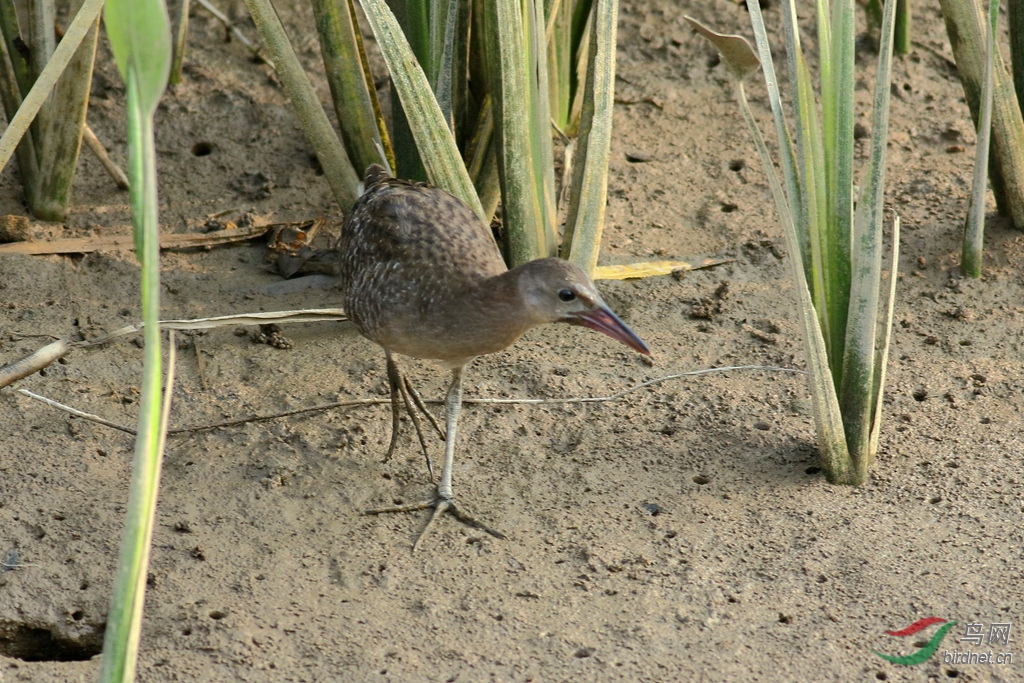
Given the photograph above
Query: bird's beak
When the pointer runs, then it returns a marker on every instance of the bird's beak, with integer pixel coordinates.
(603, 320)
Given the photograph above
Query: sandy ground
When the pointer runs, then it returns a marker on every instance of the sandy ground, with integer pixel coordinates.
(682, 533)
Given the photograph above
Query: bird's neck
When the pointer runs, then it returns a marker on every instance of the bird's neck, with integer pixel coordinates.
(490, 314)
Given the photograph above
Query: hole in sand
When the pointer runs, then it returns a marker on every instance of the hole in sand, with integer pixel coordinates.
(34, 644)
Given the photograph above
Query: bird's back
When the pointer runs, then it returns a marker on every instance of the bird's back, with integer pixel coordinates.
(406, 251)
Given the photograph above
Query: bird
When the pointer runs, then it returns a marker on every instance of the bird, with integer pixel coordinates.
(422, 276)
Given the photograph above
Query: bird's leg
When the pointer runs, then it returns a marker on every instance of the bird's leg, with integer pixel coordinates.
(418, 400)
(452, 408)
(445, 497)
(394, 382)
(445, 500)
(403, 389)
(400, 386)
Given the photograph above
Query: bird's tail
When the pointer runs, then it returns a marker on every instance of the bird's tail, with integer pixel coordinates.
(375, 173)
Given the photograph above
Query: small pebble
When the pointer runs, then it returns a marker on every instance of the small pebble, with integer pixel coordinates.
(651, 508)
(14, 228)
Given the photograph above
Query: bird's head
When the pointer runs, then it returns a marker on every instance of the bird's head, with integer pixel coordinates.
(554, 290)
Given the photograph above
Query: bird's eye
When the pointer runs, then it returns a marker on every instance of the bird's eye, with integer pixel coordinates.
(567, 295)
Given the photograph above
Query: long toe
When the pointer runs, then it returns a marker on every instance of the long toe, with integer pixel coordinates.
(440, 505)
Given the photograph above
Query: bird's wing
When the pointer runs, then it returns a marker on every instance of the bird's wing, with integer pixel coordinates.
(422, 227)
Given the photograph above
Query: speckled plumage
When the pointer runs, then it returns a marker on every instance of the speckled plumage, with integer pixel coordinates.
(423, 277)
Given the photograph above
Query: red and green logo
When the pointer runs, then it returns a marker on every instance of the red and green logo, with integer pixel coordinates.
(929, 648)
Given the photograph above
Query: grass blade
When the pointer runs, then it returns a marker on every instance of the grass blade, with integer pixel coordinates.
(434, 140)
(12, 38)
(582, 59)
(966, 25)
(860, 376)
(140, 38)
(382, 127)
(338, 170)
(180, 43)
(838, 149)
(528, 204)
(41, 36)
(351, 89)
(14, 83)
(541, 130)
(441, 25)
(811, 209)
(585, 219)
(904, 20)
(974, 227)
(482, 151)
(560, 60)
(60, 127)
(823, 17)
(1015, 19)
(828, 419)
(488, 183)
(882, 356)
(764, 54)
(459, 70)
(413, 16)
(740, 61)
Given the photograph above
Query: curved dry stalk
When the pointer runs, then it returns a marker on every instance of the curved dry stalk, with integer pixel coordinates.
(238, 35)
(41, 358)
(100, 152)
(618, 395)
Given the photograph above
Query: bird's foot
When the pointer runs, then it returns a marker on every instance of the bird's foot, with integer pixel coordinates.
(440, 505)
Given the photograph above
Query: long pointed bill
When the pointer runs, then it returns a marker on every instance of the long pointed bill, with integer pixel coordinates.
(603, 320)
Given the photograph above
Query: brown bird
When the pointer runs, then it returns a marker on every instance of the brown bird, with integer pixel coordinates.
(423, 277)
